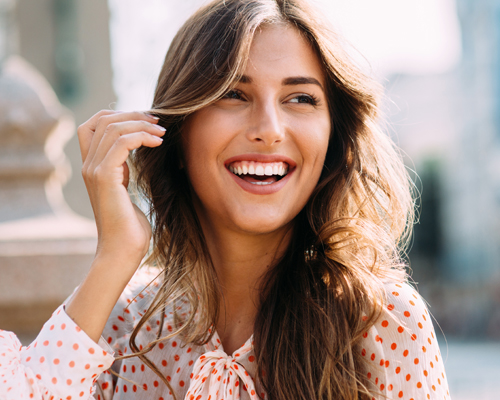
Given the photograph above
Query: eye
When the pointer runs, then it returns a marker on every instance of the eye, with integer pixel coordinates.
(304, 99)
(233, 95)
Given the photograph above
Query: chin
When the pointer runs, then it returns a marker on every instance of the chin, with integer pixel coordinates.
(263, 224)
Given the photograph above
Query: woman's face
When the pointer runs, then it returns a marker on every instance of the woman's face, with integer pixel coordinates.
(255, 156)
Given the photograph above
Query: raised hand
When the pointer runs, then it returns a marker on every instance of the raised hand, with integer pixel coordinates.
(105, 142)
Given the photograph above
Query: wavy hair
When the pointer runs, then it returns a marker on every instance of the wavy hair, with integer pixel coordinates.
(327, 289)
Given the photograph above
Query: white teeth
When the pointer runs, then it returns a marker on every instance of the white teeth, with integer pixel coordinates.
(259, 169)
(261, 183)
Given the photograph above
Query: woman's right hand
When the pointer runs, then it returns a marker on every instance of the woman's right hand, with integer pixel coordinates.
(105, 142)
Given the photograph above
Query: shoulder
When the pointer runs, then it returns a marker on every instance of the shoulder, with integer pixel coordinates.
(401, 349)
(130, 307)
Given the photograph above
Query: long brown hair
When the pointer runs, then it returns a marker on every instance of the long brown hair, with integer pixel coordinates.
(327, 289)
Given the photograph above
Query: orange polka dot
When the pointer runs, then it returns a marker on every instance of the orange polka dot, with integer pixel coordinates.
(395, 293)
(75, 346)
(407, 314)
(155, 383)
(56, 361)
(46, 343)
(424, 349)
(181, 383)
(145, 387)
(63, 326)
(420, 325)
(389, 388)
(400, 329)
(390, 307)
(405, 353)
(416, 361)
(68, 382)
(425, 372)
(42, 359)
(400, 394)
(251, 358)
(59, 343)
(91, 350)
(398, 370)
(413, 337)
(87, 366)
(54, 380)
(394, 346)
(408, 377)
(385, 324)
(419, 385)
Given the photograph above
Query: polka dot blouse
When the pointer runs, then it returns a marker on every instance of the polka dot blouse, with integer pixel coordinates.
(64, 363)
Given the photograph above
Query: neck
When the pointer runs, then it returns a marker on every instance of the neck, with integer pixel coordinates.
(240, 260)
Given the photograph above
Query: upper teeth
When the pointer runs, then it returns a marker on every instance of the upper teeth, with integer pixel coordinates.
(258, 168)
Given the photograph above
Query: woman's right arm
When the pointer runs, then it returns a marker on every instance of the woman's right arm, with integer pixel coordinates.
(123, 230)
(65, 357)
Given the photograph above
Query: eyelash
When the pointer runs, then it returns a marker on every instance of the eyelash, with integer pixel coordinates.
(310, 99)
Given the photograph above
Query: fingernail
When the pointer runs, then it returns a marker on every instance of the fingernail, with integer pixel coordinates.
(153, 116)
(161, 128)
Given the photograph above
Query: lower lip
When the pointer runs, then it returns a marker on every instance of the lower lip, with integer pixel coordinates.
(261, 189)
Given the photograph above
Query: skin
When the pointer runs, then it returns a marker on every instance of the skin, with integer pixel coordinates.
(268, 112)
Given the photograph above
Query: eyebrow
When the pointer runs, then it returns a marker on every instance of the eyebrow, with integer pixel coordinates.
(293, 80)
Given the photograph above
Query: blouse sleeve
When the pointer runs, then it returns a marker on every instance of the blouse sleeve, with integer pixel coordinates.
(402, 350)
(62, 362)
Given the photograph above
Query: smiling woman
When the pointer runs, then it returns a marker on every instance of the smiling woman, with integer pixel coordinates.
(278, 211)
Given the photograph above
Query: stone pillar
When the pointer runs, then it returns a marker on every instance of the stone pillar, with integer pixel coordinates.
(45, 249)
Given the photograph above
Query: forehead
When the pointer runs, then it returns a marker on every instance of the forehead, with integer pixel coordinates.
(281, 50)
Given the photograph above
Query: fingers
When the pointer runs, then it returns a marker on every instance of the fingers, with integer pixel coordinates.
(90, 133)
(116, 130)
(111, 168)
(86, 131)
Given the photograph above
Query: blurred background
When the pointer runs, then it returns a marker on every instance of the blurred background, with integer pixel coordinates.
(439, 60)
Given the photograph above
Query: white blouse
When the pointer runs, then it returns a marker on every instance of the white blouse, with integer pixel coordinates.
(64, 363)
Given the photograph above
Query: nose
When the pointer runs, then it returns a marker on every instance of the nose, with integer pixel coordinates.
(266, 125)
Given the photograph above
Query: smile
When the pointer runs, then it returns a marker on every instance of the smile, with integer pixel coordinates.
(259, 173)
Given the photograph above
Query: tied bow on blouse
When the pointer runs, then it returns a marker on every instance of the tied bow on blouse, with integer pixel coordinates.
(217, 376)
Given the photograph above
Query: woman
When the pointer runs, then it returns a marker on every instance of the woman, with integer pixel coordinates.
(278, 212)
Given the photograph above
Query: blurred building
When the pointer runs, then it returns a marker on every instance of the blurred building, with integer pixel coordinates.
(68, 42)
(449, 126)
(45, 247)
